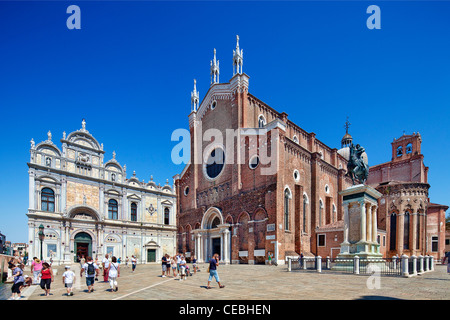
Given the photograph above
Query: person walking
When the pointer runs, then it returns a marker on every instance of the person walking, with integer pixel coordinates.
(133, 263)
(46, 278)
(270, 258)
(68, 278)
(447, 256)
(114, 273)
(126, 261)
(36, 267)
(19, 281)
(105, 264)
(91, 271)
(213, 264)
(82, 261)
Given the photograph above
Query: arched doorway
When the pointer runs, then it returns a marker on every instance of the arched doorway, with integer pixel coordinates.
(82, 245)
(213, 237)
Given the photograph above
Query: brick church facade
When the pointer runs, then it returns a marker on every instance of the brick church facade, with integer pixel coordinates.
(258, 184)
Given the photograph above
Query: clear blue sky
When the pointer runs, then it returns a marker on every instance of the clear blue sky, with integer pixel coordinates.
(129, 72)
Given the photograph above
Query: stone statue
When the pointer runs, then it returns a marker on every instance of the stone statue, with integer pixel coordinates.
(357, 168)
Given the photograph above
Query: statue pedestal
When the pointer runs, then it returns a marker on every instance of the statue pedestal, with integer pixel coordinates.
(360, 204)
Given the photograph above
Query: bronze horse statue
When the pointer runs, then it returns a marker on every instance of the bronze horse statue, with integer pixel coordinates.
(357, 169)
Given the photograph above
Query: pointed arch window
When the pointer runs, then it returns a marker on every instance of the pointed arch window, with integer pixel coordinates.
(133, 209)
(320, 212)
(261, 121)
(305, 203)
(393, 232)
(47, 200)
(418, 232)
(406, 225)
(113, 209)
(287, 195)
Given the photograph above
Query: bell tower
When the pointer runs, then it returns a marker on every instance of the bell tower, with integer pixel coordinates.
(406, 146)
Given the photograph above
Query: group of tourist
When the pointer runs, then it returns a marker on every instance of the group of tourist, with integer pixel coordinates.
(110, 266)
(180, 269)
(178, 265)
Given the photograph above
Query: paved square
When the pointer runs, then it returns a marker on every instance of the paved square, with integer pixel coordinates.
(251, 282)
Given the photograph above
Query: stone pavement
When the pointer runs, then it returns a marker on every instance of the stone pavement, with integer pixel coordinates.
(251, 282)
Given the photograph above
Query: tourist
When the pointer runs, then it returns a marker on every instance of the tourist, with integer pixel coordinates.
(46, 278)
(213, 264)
(126, 261)
(68, 278)
(91, 271)
(194, 264)
(164, 265)
(119, 260)
(82, 261)
(133, 263)
(18, 282)
(270, 258)
(168, 266)
(447, 256)
(178, 257)
(36, 267)
(183, 268)
(114, 273)
(173, 264)
(105, 264)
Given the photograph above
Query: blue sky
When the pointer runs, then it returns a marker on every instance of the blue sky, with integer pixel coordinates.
(129, 72)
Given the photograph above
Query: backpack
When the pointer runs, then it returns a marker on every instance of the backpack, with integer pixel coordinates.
(91, 269)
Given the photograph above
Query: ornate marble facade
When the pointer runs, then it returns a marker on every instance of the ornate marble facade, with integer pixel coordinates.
(88, 206)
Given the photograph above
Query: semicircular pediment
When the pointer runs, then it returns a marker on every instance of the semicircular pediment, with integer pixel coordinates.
(83, 139)
(83, 212)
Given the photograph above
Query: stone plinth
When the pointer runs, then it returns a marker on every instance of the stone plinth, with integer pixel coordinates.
(360, 204)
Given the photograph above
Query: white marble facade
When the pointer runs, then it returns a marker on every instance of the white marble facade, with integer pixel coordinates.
(89, 206)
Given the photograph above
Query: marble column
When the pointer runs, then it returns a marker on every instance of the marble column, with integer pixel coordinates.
(346, 222)
(363, 221)
(369, 223)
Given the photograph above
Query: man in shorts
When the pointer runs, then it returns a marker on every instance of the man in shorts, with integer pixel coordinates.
(91, 271)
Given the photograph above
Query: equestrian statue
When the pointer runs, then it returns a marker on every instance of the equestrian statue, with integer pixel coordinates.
(357, 168)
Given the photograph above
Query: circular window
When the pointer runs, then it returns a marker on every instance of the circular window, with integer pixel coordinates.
(186, 191)
(327, 189)
(215, 163)
(213, 105)
(296, 175)
(254, 162)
